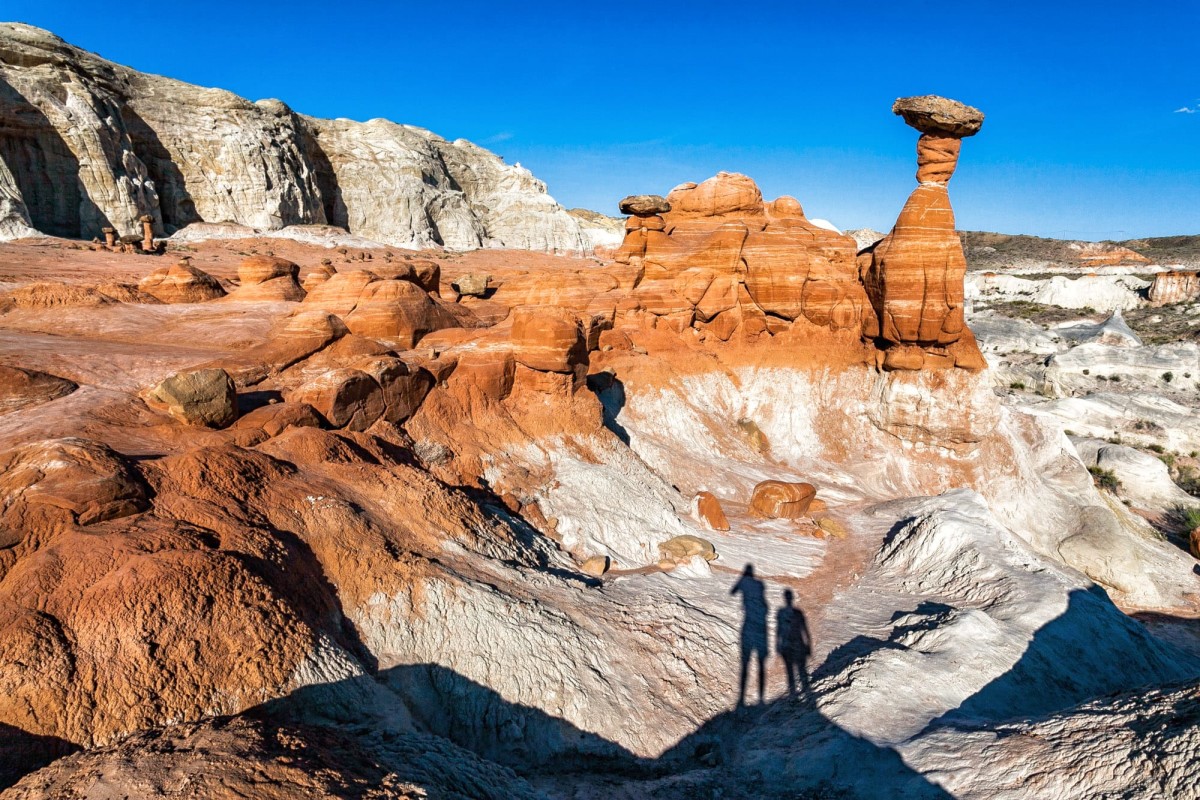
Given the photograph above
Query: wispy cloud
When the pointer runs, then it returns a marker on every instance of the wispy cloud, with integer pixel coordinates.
(496, 138)
(1187, 110)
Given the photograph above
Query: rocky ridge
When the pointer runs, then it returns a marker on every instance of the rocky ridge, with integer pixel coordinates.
(88, 144)
(321, 523)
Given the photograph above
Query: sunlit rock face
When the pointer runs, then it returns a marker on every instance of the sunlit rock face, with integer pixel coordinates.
(499, 524)
(89, 144)
(914, 275)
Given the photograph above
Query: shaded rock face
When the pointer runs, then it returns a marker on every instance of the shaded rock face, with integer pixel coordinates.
(914, 276)
(48, 484)
(88, 144)
(21, 388)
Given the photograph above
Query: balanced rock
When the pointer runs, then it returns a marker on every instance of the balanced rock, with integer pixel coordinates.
(940, 116)
(181, 283)
(204, 397)
(644, 205)
(65, 480)
(706, 508)
(781, 499)
(346, 398)
(914, 276)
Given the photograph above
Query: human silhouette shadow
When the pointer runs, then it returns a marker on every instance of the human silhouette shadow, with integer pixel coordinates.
(754, 631)
(793, 643)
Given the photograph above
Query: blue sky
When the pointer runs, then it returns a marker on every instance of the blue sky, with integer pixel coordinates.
(1083, 138)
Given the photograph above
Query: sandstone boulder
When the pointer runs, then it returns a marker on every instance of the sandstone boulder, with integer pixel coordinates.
(939, 115)
(181, 283)
(706, 508)
(268, 279)
(595, 566)
(339, 294)
(682, 549)
(725, 193)
(474, 284)
(399, 312)
(260, 269)
(644, 205)
(346, 398)
(318, 275)
(1174, 287)
(275, 418)
(204, 397)
(781, 499)
(548, 339)
(22, 388)
(65, 480)
(404, 386)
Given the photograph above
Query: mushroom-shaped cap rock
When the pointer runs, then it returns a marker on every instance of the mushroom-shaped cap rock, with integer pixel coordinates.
(939, 116)
(644, 205)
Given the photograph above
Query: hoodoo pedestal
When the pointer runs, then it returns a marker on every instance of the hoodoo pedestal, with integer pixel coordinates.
(914, 276)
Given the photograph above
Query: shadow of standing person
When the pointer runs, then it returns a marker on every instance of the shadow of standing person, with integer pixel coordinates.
(754, 630)
(793, 643)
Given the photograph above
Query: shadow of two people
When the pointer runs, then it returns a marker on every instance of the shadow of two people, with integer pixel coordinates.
(793, 642)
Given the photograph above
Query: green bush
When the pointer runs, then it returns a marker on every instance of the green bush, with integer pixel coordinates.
(1018, 385)
(1156, 448)
(1186, 518)
(1188, 479)
(1168, 377)
(1105, 479)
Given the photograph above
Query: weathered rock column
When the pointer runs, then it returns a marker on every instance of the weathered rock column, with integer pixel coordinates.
(110, 237)
(914, 276)
(148, 233)
(645, 215)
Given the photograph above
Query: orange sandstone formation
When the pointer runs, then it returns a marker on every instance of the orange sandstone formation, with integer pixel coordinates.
(782, 500)
(914, 276)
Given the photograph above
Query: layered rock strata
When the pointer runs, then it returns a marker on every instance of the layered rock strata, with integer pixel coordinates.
(87, 144)
(914, 276)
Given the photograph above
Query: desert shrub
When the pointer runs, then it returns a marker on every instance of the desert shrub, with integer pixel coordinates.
(1185, 518)
(1116, 378)
(1087, 372)
(1146, 425)
(1105, 479)
(1157, 448)
(1188, 479)
(1168, 376)
(1018, 385)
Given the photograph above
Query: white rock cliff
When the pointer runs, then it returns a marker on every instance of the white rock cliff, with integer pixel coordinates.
(87, 144)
